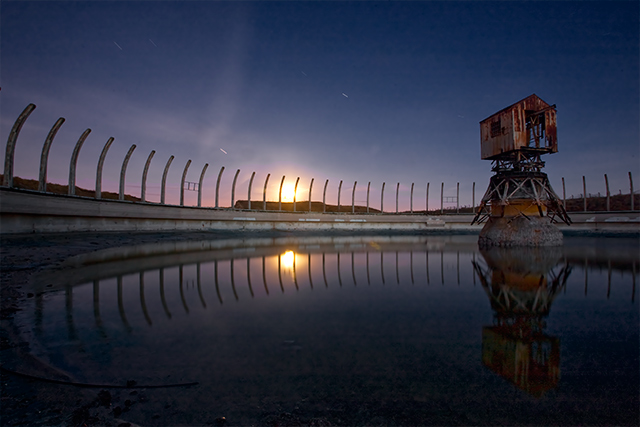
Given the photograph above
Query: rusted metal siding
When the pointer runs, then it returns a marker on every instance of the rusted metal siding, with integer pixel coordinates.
(506, 131)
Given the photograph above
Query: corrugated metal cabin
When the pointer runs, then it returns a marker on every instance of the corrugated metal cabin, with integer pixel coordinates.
(528, 126)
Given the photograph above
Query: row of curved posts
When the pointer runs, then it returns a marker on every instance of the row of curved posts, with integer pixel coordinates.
(585, 196)
(42, 184)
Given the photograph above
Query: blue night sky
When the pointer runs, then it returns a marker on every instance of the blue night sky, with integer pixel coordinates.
(355, 91)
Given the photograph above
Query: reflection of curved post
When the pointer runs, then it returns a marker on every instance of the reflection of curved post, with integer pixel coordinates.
(180, 281)
(123, 170)
(339, 191)
(442, 267)
(458, 266)
(143, 185)
(339, 276)
(215, 275)
(103, 155)
(397, 192)
(295, 194)
(608, 274)
(249, 191)
(264, 194)
(368, 188)
(233, 281)
(353, 269)
(309, 265)
(121, 306)
(427, 255)
(368, 276)
(324, 196)
(324, 272)
(143, 303)
(249, 275)
(204, 304)
(310, 188)
(353, 198)
(411, 266)
(162, 298)
(382, 266)
(73, 335)
(280, 194)
(163, 185)
(397, 270)
(182, 180)
(473, 261)
(280, 272)
(218, 184)
(295, 277)
(264, 274)
(200, 181)
(74, 162)
(411, 204)
(96, 307)
(233, 190)
(382, 199)
(44, 157)
(7, 179)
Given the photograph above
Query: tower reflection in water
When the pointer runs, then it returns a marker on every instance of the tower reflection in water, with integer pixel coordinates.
(522, 284)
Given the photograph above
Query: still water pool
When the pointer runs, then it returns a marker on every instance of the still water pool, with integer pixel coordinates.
(376, 330)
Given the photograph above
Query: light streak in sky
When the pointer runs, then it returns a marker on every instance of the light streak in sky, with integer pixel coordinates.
(345, 95)
(117, 45)
(304, 73)
(223, 151)
(153, 43)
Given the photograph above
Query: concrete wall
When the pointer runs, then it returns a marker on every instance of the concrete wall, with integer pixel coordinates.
(24, 211)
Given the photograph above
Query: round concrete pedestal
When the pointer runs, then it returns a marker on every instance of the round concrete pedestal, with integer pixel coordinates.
(519, 231)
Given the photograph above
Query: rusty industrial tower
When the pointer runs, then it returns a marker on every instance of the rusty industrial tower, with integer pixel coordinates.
(520, 206)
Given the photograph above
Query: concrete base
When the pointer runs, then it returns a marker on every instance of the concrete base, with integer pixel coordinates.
(519, 231)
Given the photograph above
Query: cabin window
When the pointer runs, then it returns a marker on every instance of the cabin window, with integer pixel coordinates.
(496, 128)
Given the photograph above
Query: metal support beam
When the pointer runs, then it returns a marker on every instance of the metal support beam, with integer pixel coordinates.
(353, 197)
(411, 203)
(163, 185)
(280, 194)
(204, 170)
(427, 201)
(233, 190)
(310, 188)
(382, 198)
(143, 185)
(339, 191)
(103, 155)
(44, 157)
(218, 185)
(442, 198)
(324, 196)
(182, 180)
(458, 198)
(368, 189)
(74, 162)
(7, 179)
(631, 190)
(584, 193)
(397, 192)
(295, 193)
(123, 170)
(249, 190)
(564, 195)
(606, 183)
(473, 198)
(264, 193)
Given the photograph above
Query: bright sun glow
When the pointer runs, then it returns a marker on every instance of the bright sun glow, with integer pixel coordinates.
(287, 193)
(287, 260)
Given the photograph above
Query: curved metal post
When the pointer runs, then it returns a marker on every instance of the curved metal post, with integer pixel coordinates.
(218, 184)
(204, 170)
(458, 198)
(143, 185)
(339, 191)
(311, 188)
(44, 157)
(631, 190)
(233, 189)
(163, 186)
(427, 201)
(442, 198)
(411, 203)
(324, 196)
(74, 162)
(606, 183)
(103, 154)
(264, 193)
(368, 188)
(382, 198)
(123, 170)
(584, 193)
(7, 179)
(184, 177)
(295, 193)
(473, 199)
(249, 190)
(353, 198)
(397, 192)
(564, 195)
(280, 194)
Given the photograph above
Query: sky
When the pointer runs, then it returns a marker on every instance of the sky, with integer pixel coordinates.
(373, 92)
